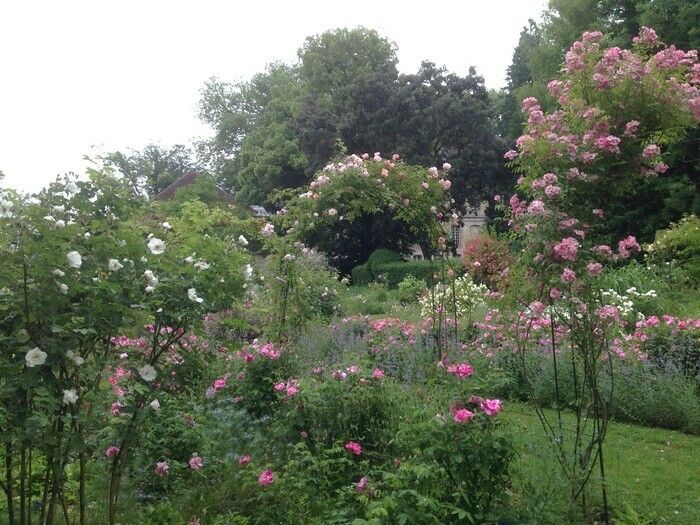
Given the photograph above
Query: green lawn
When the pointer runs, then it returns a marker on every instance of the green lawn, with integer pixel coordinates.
(655, 471)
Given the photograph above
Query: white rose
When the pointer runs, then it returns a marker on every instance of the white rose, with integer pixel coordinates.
(114, 265)
(70, 396)
(58, 273)
(156, 246)
(63, 288)
(147, 372)
(59, 209)
(35, 357)
(192, 294)
(74, 259)
(167, 226)
(155, 405)
(60, 224)
(242, 240)
(75, 357)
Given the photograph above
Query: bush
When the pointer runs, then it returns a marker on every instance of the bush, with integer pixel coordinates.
(380, 257)
(361, 274)
(487, 259)
(393, 273)
(679, 242)
(410, 289)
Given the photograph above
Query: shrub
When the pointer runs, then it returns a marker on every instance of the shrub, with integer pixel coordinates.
(487, 259)
(393, 273)
(679, 242)
(361, 274)
(410, 289)
(380, 257)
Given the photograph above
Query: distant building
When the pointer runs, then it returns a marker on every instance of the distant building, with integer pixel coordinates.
(473, 221)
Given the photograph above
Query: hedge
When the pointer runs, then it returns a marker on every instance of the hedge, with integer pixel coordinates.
(361, 274)
(393, 273)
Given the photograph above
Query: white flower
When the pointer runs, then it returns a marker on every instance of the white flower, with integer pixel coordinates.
(74, 259)
(63, 288)
(267, 230)
(151, 279)
(201, 265)
(144, 260)
(35, 357)
(332, 212)
(87, 234)
(192, 294)
(167, 225)
(6, 209)
(156, 246)
(150, 289)
(60, 224)
(155, 405)
(49, 218)
(289, 257)
(58, 273)
(242, 240)
(75, 357)
(70, 396)
(114, 265)
(59, 209)
(190, 259)
(147, 372)
(248, 272)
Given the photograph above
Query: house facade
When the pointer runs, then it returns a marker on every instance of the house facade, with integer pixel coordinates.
(473, 220)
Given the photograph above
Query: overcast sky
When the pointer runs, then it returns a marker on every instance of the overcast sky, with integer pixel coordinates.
(79, 77)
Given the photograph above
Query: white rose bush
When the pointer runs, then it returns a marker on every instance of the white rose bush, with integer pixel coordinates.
(75, 298)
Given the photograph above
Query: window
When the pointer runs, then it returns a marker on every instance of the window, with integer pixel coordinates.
(455, 236)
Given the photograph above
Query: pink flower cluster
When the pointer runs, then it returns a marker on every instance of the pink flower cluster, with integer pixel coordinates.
(567, 249)
(461, 370)
(353, 447)
(290, 387)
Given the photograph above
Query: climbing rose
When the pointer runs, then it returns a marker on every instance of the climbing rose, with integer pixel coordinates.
(266, 478)
(162, 469)
(354, 447)
(462, 415)
(75, 260)
(70, 396)
(35, 357)
(361, 485)
(491, 407)
(196, 462)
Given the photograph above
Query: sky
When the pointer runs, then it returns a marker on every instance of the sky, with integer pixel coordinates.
(82, 77)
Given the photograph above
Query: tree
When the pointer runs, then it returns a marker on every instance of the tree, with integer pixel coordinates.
(154, 168)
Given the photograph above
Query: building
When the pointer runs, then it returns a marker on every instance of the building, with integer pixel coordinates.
(472, 222)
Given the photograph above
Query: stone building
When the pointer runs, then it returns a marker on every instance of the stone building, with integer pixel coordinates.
(473, 221)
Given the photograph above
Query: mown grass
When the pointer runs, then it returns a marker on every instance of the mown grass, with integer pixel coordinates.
(656, 472)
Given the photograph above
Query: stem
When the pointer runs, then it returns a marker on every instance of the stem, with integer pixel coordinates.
(8, 483)
(81, 488)
(22, 484)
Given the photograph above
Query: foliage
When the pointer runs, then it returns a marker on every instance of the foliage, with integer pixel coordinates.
(361, 274)
(679, 243)
(410, 289)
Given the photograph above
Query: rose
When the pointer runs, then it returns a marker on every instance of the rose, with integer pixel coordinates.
(35, 357)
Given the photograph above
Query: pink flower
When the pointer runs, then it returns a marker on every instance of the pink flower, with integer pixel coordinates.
(491, 407)
(361, 485)
(395, 157)
(385, 172)
(446, 184)
(555, 294)
(111, 452)
(447, 166)
(266, 478)
(652, 150)
(196, 462)
(631, 128)
(244, 460)
(292, 390)
(568, 275)
(220, 383)
(280, 386)
(567, 249)
(354, 447)
(627, 246)
(510, 154)
(604, 250)
(608, 143)
(377, 373)
(598, 213)
(162, 469)
(353, 369)
(661, 168)
(594, 268)
(552, 191)
(646, 36)
(536, 207)
(461, 370)
(462, 415)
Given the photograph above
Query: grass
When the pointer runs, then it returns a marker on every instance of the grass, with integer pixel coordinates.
(654, 471)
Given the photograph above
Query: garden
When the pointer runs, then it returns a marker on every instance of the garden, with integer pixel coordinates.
(183, 361)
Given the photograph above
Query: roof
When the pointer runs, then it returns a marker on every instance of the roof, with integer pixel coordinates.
(187, 179)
